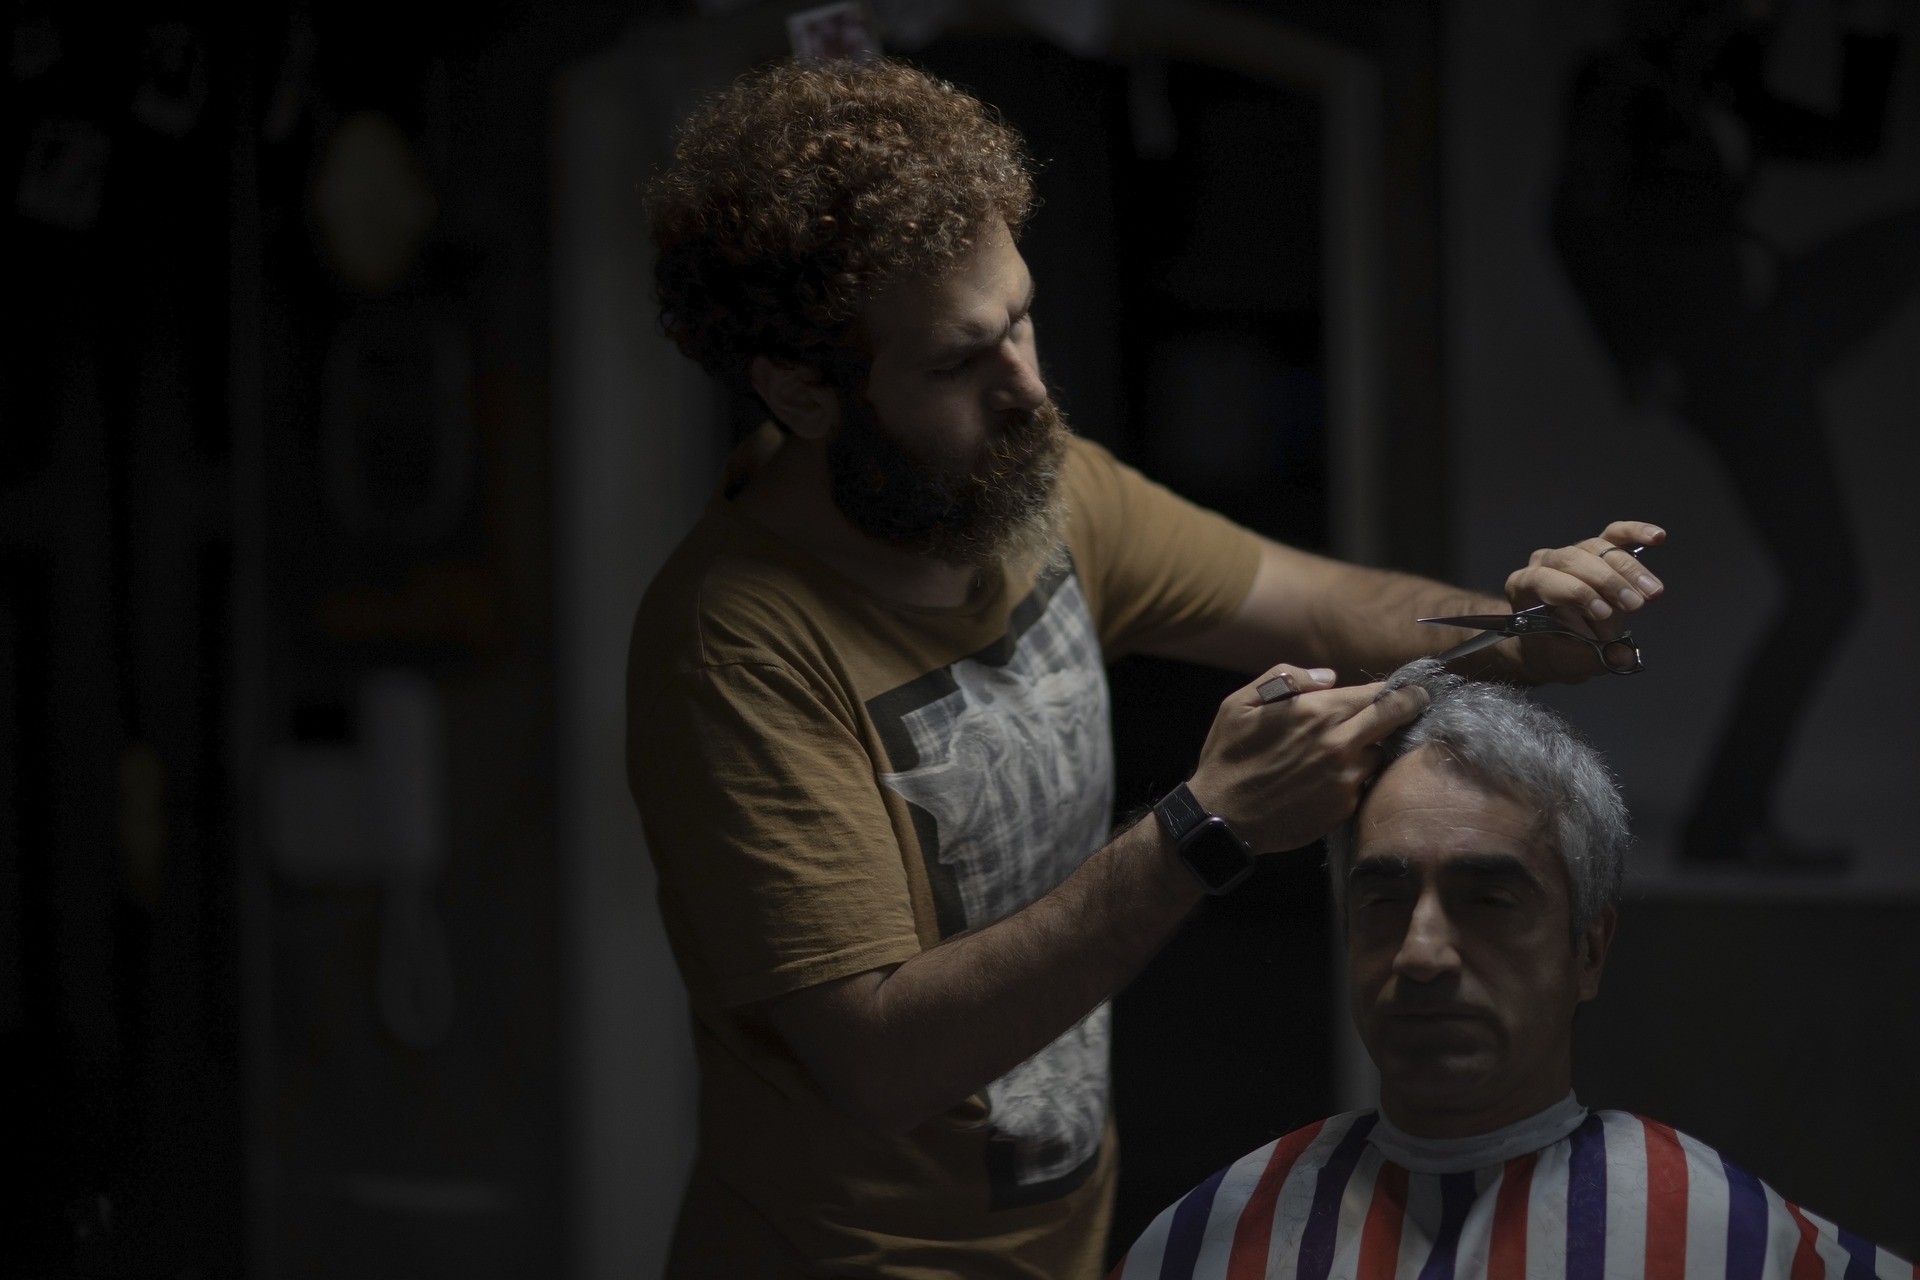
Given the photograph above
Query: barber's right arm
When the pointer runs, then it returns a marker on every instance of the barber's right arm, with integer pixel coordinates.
(897, 1045)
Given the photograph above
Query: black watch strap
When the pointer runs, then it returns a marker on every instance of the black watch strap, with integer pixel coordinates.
(1218, 858)
(1180, 813)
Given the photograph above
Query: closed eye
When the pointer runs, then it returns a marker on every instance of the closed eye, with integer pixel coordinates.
(1381, 894)
(961, 361)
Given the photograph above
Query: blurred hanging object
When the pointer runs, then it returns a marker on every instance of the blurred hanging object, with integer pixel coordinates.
(36, 47)
(174, 88)
(369, 812)
(143, 822)
(1156, 133)
(397, 424)
(403, 750)
(838, 30)
(293, 85)
(371, 202)
(1081, 27)
(65, 171)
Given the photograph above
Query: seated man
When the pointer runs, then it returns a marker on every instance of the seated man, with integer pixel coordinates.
(1479, 878)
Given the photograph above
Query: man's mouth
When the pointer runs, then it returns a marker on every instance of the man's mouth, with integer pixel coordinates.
(1436, 1014)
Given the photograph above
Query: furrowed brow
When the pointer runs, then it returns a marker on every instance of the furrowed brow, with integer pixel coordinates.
(966, 340)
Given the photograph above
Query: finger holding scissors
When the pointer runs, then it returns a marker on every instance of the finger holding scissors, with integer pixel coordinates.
(1591, 587)
(1598, 579)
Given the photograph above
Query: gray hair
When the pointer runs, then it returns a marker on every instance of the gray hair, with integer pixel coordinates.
(1500, 733)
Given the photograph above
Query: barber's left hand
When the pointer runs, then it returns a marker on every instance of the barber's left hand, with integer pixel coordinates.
(1591, 586)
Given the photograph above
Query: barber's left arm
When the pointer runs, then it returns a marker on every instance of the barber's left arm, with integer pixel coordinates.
(1317, 611)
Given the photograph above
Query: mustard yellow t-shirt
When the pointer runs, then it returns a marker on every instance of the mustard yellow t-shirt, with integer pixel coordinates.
(832, 783)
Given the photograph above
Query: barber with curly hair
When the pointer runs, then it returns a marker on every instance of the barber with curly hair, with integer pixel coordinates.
(867, 703)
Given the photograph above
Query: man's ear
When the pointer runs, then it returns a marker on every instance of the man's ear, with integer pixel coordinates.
(804, 402)
(1591, 954)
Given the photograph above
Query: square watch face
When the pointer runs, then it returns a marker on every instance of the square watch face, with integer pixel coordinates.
(1217, 856)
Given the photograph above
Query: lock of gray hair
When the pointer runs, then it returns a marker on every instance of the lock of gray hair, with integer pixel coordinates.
(1502, 735)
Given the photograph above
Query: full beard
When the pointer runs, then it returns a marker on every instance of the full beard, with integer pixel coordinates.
(1006, 509)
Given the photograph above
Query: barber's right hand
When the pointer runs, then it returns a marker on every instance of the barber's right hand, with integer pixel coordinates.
(1286, 773)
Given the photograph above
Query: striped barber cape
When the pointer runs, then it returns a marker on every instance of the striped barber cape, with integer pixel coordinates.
(1615, 1198)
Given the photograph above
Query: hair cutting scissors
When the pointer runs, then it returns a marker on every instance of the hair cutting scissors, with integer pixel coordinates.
(1619, 655)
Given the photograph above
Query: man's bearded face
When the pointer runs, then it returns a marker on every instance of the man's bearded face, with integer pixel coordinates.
(1003, 509)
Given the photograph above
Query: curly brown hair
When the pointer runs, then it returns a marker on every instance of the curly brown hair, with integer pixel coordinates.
(808, 187)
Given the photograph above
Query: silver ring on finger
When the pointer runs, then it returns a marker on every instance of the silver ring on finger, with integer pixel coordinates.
(1277, 688)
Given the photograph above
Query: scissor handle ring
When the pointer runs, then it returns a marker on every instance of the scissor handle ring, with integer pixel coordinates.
(1628, 667)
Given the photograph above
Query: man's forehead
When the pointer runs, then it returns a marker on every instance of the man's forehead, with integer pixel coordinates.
(969, 303)
(1428, 808)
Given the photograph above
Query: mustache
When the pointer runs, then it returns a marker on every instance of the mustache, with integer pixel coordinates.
(1025, 436)
(1443, 997)
(1437, 1004)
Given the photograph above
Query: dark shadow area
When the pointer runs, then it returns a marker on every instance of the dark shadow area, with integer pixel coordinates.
(1801, 1072)
(265, 432)
(119, 999)
(1666, 134)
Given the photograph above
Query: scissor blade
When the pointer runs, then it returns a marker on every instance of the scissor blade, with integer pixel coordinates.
(1484, 640)
(1478, 621)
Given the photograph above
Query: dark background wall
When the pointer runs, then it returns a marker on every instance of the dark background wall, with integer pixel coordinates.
(239, 476)
(1738, 993)
(1784, 1033)
(277, 491)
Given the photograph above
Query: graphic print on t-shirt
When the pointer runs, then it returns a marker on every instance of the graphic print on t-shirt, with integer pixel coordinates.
(1006, 760)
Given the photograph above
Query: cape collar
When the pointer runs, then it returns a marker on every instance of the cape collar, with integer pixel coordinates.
(1457, 1155)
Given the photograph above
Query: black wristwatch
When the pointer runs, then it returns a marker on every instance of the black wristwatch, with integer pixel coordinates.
(1218, 858)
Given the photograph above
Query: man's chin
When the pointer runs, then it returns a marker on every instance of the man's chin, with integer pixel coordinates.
(1438, 1061)
(1033, 541)
(1443, 1098)
(1010, 513)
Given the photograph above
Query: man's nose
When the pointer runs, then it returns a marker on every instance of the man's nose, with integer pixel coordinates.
(1428, 950)
(1019, 385)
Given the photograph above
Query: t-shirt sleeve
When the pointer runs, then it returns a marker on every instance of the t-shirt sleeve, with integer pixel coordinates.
(1155, 566)
(778, 865)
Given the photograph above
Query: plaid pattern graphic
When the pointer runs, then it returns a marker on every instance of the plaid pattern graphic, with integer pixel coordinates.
(1013, 780)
